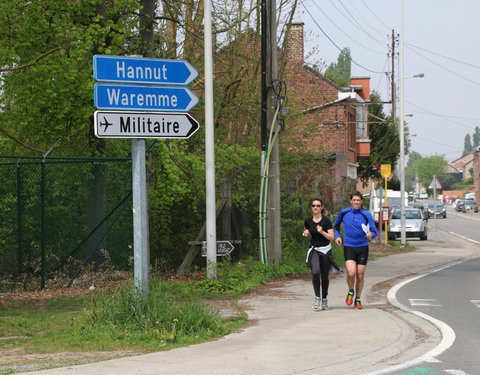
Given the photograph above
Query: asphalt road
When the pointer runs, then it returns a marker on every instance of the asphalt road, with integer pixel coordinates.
(450, 296)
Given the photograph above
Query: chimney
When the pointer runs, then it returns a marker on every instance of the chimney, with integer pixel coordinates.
(295, 43)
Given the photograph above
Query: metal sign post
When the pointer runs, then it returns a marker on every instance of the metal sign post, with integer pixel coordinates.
(133, 84)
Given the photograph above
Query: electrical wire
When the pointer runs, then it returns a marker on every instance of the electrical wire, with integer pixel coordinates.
(335, 44)
(364, 20)
(354, 22)
(440, 116)
(445, 57)
(445, 68)
(378, 19)
(346, 34)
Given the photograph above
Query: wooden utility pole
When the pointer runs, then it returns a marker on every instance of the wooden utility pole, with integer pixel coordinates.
(273, 234)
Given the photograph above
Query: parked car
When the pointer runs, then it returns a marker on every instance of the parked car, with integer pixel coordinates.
(415, 224)
(437, 209)
(422, 196)
(469, 206)
(455, 202)
(459, 205)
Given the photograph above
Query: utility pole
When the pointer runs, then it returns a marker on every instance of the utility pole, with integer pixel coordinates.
(394, 92)
(270, 232)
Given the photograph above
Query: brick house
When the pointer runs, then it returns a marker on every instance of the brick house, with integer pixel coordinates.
(463, 165)
(328, 122)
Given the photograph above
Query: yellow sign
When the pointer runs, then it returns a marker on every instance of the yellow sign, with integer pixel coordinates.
(386, 170)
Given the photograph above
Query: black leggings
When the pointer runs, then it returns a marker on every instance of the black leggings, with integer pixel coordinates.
(320, 268)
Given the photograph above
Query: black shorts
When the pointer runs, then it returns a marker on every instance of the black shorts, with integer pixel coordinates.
(358, 254)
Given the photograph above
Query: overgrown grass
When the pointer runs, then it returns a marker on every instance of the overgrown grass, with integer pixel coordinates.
(170, 314)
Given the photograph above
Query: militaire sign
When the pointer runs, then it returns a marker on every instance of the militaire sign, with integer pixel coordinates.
(130, 69)
(111, 124)
(143, 98)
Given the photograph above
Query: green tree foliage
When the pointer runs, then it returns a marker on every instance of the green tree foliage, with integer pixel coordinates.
(340, 71)
(426, 168)
(46, 53)
(384, 146)
(476, 137)
(467, 145)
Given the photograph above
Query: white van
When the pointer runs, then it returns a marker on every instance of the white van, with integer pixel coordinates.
(470, 196)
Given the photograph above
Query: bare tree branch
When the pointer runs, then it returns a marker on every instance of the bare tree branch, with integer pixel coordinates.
(15, 139)
(36, 60)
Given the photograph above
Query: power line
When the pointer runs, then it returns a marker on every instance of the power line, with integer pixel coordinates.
(356, 23)
(445, 57)
(335, 44)
(346, 34)
(378, 19)
(440, 116)
(443, 67)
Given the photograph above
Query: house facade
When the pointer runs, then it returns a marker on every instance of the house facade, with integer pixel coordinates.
(327, 121)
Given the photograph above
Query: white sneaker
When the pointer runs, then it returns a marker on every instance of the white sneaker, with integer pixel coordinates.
(316, 303)
(324, 304)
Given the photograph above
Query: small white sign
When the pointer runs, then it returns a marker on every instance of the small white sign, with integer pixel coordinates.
(112, 124)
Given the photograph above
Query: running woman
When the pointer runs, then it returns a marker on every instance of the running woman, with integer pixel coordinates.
(319, 255)
(358, 229)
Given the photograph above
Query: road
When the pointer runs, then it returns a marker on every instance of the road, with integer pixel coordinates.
(450, 296)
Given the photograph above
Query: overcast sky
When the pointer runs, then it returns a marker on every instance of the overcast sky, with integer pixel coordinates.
(441, 40)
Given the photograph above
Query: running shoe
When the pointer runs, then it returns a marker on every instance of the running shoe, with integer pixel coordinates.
(316, 303)
(324, 304)
(358, 304)
(349, 299)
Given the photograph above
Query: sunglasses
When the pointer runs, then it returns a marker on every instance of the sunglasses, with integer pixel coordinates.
(316, 205)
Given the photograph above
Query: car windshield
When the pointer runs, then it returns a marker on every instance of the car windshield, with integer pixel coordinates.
(469, 203)
(413, 215)
(439, 205)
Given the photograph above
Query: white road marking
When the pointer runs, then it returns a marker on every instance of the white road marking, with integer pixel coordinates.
(423, 302)
(465, 238)
(476, 302)
(448, 334)
(456, 372)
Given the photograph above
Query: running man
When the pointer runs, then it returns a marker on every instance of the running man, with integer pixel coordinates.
(358, 229)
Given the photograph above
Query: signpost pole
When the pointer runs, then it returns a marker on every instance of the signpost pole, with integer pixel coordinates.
(140, 217)
(209, 146)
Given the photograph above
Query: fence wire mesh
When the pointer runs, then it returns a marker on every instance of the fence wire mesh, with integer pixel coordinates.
(62, 217)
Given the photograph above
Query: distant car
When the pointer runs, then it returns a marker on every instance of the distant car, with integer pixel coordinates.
(469, 206)
(437, 209)
(415, 224)
(459, 205)
(423, 196)
(455, 202)
(422, 208)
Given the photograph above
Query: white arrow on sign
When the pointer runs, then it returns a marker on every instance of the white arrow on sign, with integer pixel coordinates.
(223, 248)
(112, 124)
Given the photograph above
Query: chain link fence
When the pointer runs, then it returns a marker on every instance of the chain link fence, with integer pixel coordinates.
(63, 218)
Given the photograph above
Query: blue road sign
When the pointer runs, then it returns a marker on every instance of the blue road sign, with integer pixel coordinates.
(143, 70)
(144, 98)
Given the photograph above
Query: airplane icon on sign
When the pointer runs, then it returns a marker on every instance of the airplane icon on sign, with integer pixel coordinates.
(106, 123)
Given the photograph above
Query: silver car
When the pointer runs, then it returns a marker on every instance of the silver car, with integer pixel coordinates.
(415, 224)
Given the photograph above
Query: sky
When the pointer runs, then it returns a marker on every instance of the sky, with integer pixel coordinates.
(441, 41)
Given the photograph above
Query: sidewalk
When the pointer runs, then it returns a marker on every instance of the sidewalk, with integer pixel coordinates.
(287, 337)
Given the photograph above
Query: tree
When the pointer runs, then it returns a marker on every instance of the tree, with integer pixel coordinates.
(341, 71)
(476, 138)
(467, 145)
(426, 168)
(385, 144)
